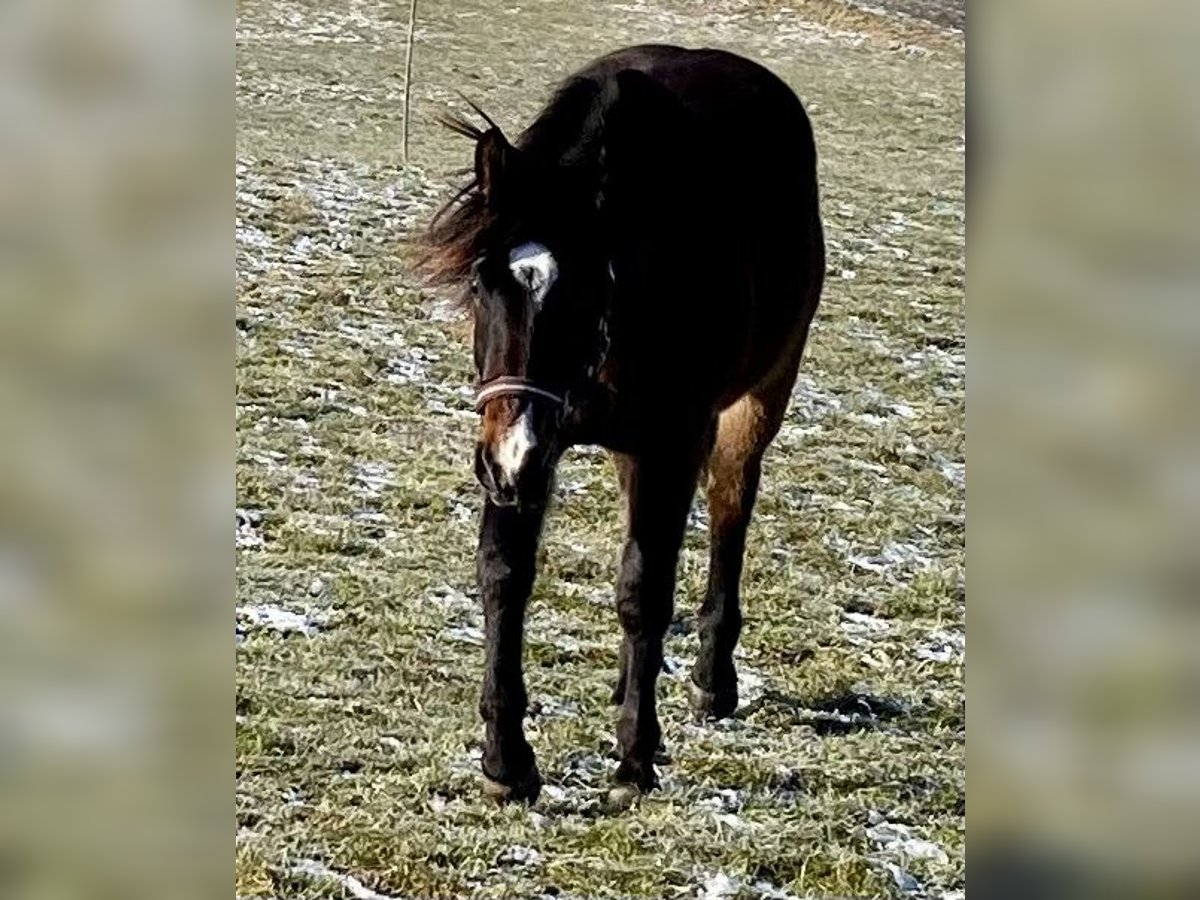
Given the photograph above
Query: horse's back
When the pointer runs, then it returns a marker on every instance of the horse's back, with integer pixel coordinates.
(753, 235)
(736, 100)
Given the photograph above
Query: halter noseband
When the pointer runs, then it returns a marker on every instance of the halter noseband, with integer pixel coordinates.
(512, 385)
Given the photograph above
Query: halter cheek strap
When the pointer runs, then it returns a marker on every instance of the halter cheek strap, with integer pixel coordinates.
(511, 385)
(514, 385)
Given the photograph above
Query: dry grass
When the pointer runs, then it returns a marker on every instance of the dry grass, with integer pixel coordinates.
(357, 733)
(867, 21)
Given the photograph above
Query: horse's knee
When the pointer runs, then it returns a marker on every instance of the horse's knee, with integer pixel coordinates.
(501, 577)
(644, 592)
(642, 617)
(499, 702)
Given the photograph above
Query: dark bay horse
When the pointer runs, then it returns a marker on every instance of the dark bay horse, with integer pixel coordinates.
(642, 265)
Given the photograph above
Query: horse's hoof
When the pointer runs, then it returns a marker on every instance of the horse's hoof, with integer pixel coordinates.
(623, 796)
(525, 790)
(710, 705)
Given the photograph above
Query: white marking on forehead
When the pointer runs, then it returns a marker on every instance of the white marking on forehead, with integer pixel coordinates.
(534, 268)
(513, 449)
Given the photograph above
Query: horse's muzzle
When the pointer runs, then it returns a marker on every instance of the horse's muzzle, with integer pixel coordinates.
(509, 480)
(500, 490)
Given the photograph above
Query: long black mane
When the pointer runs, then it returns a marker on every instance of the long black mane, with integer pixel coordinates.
(566, 136)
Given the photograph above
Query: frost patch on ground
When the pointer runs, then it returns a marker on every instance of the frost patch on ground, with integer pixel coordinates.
(454, 602)
(275, 618)
(751, 684)
(903, 879)
(954, 472)
(551, 708)
(355, 888)
(372, 478)
(519, 855)
(897, 839)
(356, 22)
(587, 770)
(811, 401)
(892, 557)
(897, 848)
(898, 561)
(724, 806)
(247, 536)
(465, 634)
(719, 885)
(863, 625)
(944, 646)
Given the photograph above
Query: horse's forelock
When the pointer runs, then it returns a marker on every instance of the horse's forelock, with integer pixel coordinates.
(567, 136)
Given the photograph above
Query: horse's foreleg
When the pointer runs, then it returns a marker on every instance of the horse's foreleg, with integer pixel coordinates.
(624, 465)
(659, 493)
(505, 565)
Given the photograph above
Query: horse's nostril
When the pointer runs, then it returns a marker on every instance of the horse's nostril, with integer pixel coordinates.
(485, 474)
(504, 496)
(499, 487)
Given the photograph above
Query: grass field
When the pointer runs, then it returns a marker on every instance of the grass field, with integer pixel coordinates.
(359, 646)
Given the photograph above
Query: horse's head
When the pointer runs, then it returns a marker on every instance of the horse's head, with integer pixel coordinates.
(539, 290)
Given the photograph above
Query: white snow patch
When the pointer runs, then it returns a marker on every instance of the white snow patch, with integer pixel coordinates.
(904, 879)
(372, 478)
(247, 536)
(353, 886)
(891, 557)
(898, 839)
(550, 708)
(453, 601)
(954, 472)
(864, 624)
(943, 646)
(467, 634)
(519, 855)
(750, 684)
(718, 885)
(274, 618)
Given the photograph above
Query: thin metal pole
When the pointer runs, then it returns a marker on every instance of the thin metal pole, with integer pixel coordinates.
(408, 62)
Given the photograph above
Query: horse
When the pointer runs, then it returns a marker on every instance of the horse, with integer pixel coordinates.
(642, 266)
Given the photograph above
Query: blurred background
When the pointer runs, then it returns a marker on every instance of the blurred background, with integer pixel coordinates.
(116, 481)
(1084, 495)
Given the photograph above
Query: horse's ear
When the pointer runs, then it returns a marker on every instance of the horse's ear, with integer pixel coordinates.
(493, 163)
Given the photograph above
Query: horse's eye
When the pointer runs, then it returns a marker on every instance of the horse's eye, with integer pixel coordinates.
(474, 285)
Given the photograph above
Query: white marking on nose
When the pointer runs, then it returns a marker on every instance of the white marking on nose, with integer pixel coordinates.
(513, 449)
(535, 269)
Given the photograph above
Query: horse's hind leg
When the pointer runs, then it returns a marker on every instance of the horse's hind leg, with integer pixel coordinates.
(743, 432)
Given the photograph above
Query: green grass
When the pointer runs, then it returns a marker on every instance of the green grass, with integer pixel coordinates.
(356, 745)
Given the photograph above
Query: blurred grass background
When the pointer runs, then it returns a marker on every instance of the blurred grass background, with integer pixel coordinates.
(1083, 441)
